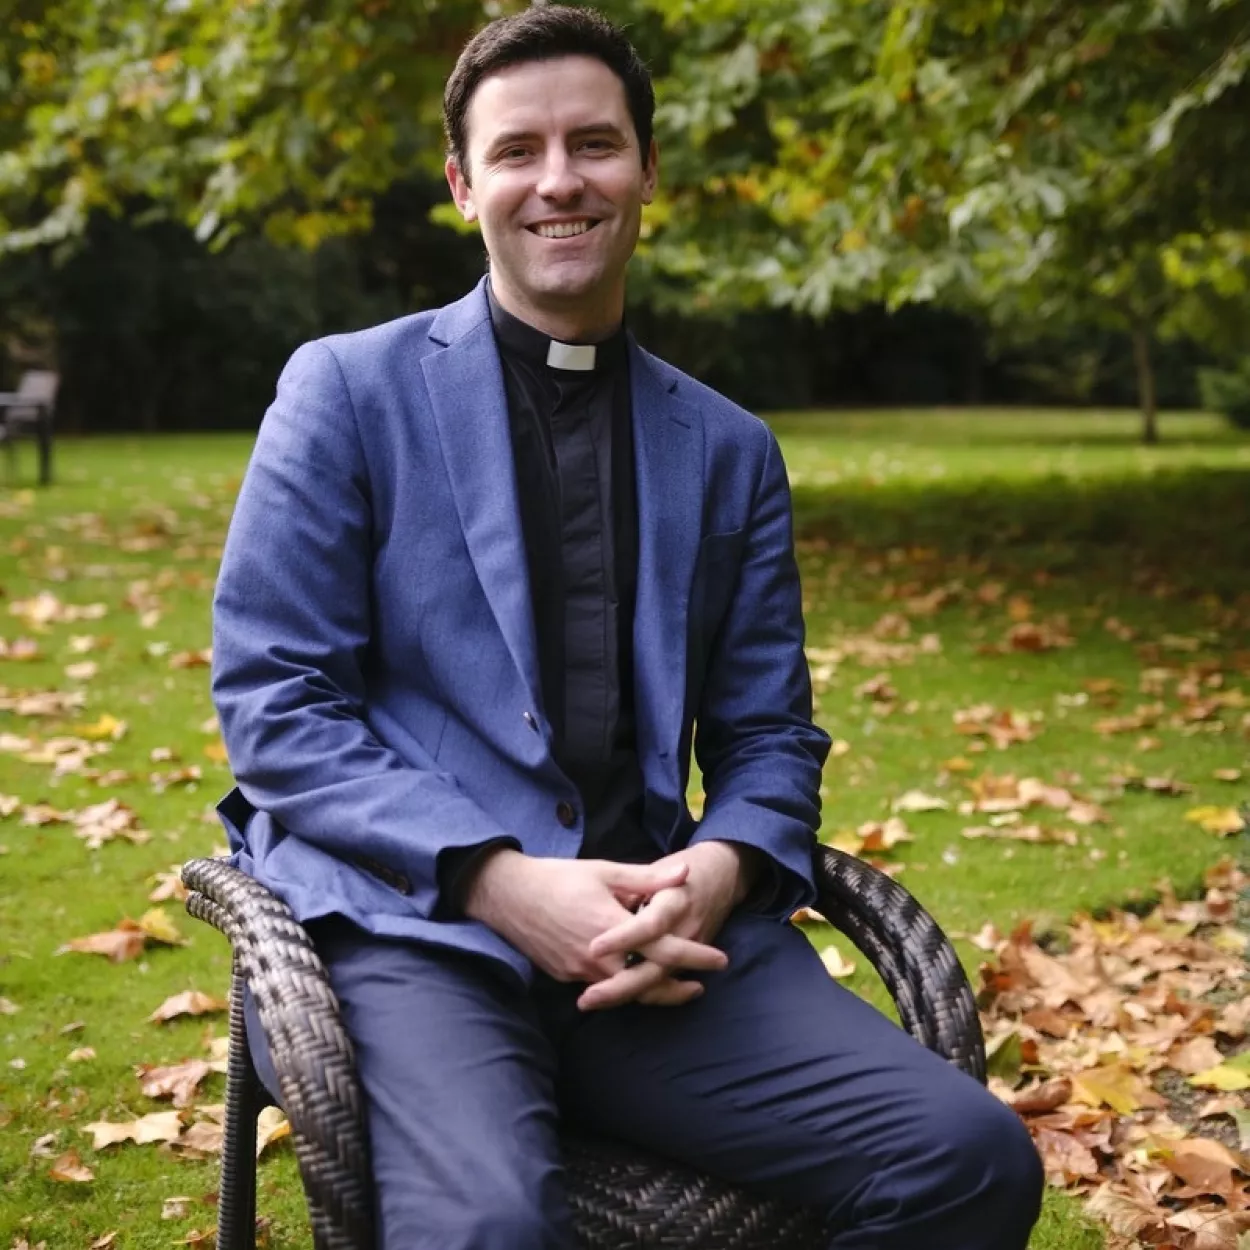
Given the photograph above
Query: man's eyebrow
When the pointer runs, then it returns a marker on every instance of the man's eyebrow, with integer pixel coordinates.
(509, 137)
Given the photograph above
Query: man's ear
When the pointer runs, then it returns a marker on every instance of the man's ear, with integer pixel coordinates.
(461, 191)
(651, 173)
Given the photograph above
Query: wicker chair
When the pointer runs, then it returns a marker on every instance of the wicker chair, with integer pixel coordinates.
(622, 1199)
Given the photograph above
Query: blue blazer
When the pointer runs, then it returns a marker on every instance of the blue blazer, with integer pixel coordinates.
(374, 661)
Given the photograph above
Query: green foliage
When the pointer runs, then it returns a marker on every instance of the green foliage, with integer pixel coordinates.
(1227, 392)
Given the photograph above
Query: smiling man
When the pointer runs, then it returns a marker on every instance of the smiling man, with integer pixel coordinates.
(494, 573)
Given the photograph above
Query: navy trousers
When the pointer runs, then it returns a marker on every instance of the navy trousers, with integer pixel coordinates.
(776, 1078)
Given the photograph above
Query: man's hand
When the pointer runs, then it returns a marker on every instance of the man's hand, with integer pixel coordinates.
(719, 876)
(553, 910)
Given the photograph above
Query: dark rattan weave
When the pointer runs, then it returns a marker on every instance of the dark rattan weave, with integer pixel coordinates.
(622, 1199)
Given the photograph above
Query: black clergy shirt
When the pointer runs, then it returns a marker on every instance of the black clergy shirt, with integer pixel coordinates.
(573, 452)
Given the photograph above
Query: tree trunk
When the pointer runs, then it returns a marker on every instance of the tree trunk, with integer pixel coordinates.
(1145, 383)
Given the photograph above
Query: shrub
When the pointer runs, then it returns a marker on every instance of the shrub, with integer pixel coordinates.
(1227, 391)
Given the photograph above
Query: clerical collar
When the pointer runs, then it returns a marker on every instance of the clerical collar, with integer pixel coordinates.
(517, 336)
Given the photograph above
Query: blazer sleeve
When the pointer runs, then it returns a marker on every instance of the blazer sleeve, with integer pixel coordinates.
(760, 753)
(291, 630)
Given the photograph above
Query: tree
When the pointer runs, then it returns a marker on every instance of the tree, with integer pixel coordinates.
(1054, 164)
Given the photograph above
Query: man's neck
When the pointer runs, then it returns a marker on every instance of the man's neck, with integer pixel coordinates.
(572, 325)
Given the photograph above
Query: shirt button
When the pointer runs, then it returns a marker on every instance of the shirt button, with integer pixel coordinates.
(566, 814)
(529, 719)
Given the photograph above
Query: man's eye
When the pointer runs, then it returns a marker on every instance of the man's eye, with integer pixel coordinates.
(512, 154)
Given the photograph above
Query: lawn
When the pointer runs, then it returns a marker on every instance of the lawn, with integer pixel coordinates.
(1039, 564)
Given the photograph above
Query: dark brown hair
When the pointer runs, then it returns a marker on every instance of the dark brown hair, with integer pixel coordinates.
(543, 34)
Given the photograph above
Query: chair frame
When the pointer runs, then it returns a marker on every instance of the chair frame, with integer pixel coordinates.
(32, 404)
(622, 1199)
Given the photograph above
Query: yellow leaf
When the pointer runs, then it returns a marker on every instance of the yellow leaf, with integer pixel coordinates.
(1115, 1085)
(1223, 1078)
(155, 922)
(216, 751)
(1221, 821)
(106, 727)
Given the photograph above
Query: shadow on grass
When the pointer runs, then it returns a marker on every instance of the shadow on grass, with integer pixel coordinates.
(1192, 524)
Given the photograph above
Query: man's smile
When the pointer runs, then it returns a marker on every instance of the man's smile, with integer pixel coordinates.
(562, 229)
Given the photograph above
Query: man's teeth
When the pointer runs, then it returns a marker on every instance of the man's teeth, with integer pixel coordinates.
(563, 229)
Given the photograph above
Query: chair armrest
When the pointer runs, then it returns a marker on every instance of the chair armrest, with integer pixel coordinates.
(910, 953)
(312, 1054)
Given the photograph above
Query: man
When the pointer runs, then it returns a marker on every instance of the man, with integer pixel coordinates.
(489, 568)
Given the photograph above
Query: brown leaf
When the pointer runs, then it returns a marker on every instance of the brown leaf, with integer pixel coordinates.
(192, 659)
(1210, 1228)
(1065, 1158)
(188, 1003)
(1195, 1055)
(204, 1137)
(1205, 1165)
(1126, 1215)
(179, 1081)
(70, 1169)
(105, 1242)
(1045, 1097)
(125, 942)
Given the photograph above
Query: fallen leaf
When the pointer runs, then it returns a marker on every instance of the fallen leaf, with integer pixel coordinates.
(835, 964)
(1227, 774)
(177, 1207)
(206, 1239)
(192, 659)
(1224, 1077)
(159, 1126)
(1205, 1165)
(8, 1007)
(125, 942)
(84, 670)
(1126, 1215)
(188, 1003)
(1221, 821)
(1116, 1086)
(271, 1126)
(83, 1054)
(106, 1242)
(70, 1169)
(1064, 1157)
(156, 923)
(204, 1137)
(179, 1081)
(919, 801)
(106, 727)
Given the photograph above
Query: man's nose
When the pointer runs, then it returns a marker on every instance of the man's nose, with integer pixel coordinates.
(560, 179)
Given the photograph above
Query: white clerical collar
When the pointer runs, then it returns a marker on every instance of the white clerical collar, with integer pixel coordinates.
(571, 356)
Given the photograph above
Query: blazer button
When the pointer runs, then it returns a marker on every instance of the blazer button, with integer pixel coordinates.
(566, 814)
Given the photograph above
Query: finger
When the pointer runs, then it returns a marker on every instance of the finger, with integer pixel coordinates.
(621, 987)
(684, 954)
(642, 928)
(671, 993)
(641, 881)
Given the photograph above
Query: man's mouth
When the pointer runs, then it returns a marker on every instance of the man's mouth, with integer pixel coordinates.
(563, 229)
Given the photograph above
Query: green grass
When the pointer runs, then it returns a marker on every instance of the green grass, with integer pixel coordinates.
(1062, 509)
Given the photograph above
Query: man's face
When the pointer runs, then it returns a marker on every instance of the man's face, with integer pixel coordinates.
(558, 185)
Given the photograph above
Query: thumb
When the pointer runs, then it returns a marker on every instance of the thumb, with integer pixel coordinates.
(644, 880)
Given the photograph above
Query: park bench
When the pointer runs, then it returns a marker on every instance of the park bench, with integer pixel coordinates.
(621, 1197)
(29, 411)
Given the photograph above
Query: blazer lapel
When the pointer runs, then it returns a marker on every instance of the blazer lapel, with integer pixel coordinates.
(668, 446)
(470, 408)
